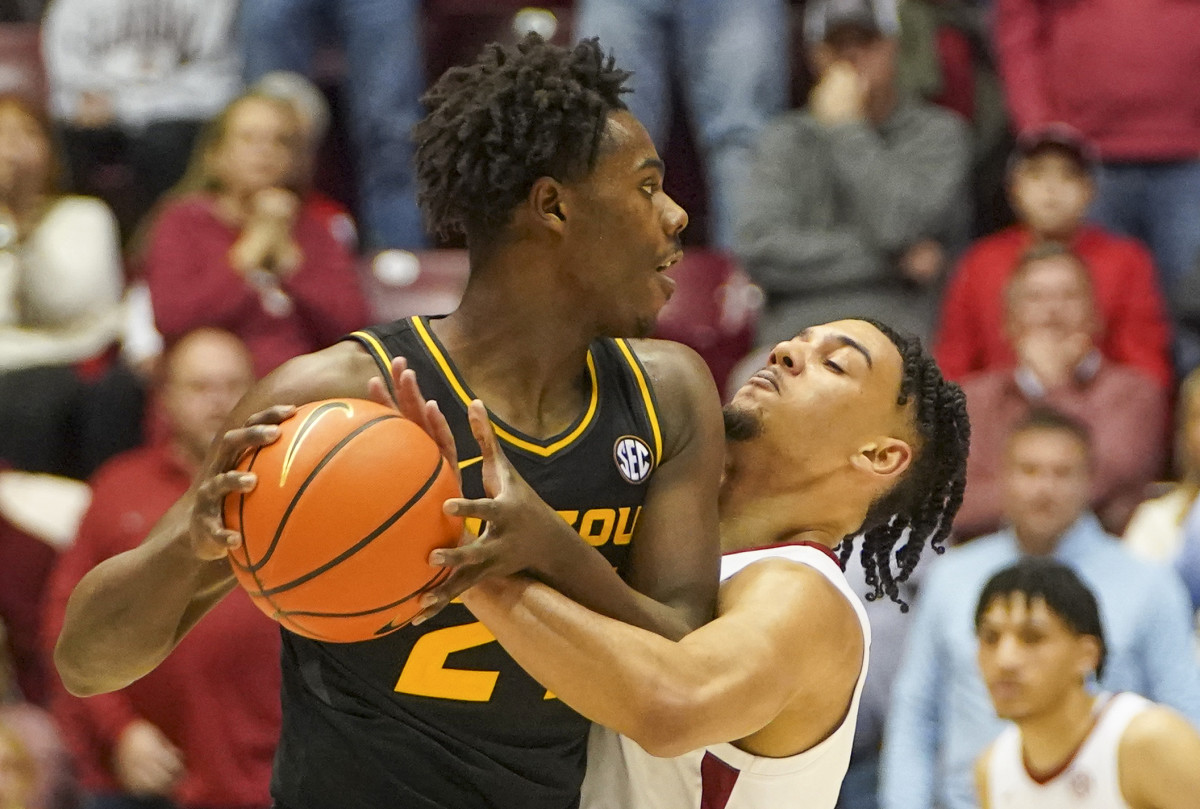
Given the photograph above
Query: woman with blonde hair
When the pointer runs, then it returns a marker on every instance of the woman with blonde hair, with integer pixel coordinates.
(236, 247)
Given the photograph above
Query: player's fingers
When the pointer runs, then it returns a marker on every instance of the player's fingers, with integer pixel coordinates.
(212, 491)
(222, 539)
(235, 442)
(435, 599)
(442, 435)
(477, 553)
(484, 508)
(481, 428)
(377, 392)
(410, 400)
(399, 366)
(464, 579)
(276, 414)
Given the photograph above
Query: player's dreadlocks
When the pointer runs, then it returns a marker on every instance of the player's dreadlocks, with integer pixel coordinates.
(924, 502)
(494, 127)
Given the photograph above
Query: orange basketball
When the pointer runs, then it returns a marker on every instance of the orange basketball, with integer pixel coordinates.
(337, 531)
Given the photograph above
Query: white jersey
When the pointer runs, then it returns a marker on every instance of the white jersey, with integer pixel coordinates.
(621, 775)
(1088, 780)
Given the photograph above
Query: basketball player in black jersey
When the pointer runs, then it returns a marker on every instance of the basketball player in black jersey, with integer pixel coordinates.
(531, 154)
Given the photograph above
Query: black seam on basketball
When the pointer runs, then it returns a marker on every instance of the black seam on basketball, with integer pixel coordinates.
(308, 480)
(241, 513)
(434, 580)
(365, 541)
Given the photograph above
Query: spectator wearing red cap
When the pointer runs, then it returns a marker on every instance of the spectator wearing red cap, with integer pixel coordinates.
(1050, 186)
(1123, 74)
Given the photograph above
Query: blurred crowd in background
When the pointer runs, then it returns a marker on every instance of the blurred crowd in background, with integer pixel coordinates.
(194, 191)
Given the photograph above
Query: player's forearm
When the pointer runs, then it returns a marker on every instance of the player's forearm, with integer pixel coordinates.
(580, 573)
(660, 693)
(128, 613)
(597, 666)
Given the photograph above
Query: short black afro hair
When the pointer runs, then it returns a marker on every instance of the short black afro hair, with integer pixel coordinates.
(494, 127)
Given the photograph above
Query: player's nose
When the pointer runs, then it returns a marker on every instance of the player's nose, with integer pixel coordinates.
(789, 355)
(674, 217)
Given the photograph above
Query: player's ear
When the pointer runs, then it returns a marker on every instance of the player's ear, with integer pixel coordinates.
(886, 457)
(1089, 655)
(547, 203)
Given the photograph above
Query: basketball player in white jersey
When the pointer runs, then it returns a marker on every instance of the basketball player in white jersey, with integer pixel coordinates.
(849, 429)
(1040, 640)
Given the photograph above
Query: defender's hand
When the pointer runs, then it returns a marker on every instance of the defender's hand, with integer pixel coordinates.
(211, 539)
(520, 526)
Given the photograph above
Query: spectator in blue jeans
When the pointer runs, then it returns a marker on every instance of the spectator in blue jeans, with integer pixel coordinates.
(731, 63)
(384, 78)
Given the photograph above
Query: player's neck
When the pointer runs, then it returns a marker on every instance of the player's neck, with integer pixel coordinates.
(1050, 739)
(525, 360)
(755, 514)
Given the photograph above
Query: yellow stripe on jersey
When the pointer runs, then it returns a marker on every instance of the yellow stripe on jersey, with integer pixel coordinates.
(651, 413)
(537, 449)
(382, 354)
(376, 346)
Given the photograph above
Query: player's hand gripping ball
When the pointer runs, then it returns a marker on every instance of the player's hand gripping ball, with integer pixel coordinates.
(348, 507)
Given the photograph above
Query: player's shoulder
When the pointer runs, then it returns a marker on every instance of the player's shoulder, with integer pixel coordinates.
(787, 585)
(669, 363)
(683, 386)
(1156, 757)
(342, 369)
(1153, 730)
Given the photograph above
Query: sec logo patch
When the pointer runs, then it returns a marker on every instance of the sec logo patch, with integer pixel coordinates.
(633, 457)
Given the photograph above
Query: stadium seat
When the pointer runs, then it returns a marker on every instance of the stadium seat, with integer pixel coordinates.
(714, 310)
(399, 283)
(21, 69)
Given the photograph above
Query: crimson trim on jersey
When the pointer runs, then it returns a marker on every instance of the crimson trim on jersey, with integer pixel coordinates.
(716, 782)
(825, 549)
(1045, 778)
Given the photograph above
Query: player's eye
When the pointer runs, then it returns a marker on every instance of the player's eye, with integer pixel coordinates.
(833, 366)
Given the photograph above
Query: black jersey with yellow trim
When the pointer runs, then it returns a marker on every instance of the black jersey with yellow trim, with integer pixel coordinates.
(439, 714)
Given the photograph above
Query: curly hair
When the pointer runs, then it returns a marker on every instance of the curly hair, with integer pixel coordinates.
(923, 503)
(494, 127)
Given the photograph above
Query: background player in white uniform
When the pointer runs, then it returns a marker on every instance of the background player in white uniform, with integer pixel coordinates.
(1040, 640)
(849, 428)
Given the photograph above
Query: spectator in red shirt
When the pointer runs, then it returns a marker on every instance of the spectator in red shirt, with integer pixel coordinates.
(312, 113)
(1051, 320)
(1050, 185)
(237, 248)
(200, 730)
(1123, 73)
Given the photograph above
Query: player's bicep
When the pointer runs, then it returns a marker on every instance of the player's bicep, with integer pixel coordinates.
(675, 553)
(784, 635)
(343, 369)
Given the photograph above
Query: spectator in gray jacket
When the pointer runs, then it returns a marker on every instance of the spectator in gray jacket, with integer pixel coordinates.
(857, 201)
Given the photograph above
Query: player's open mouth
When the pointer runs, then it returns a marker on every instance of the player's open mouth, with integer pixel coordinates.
(670, 262)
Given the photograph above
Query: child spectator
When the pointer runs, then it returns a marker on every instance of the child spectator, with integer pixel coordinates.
(1051, 185)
